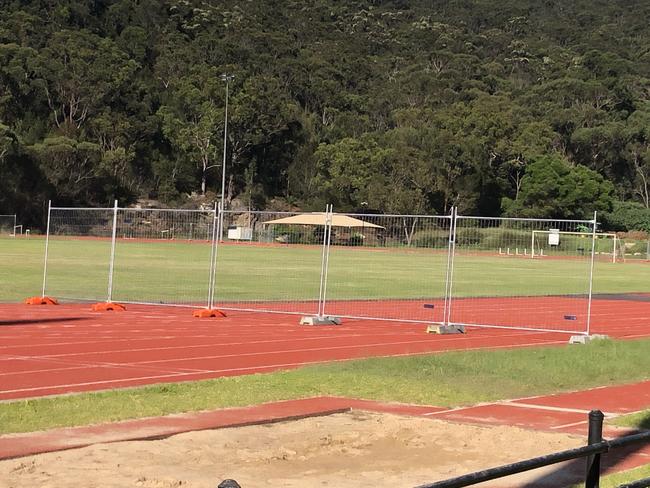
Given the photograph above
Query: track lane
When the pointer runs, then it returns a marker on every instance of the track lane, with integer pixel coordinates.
(53, 350)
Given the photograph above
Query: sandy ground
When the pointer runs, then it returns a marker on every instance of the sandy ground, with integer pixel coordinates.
(356, 449)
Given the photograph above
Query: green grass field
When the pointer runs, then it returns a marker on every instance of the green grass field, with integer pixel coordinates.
(639, 420)
(177, 272)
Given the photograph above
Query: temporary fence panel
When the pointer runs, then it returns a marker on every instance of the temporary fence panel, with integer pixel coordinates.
(607, 245)
(163, 256)
(270, 261)
(388, 267)
(78, 252)
(492, 272)
(7, 225)
(495, 283)
(633, 249)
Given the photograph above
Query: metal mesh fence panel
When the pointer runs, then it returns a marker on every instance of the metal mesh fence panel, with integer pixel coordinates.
(7, 225)
(606, 245)
(633, 248)
(491, 272)
(78, 253)
(163, 256)
(498, 282)
(388, 267)
(270, 261)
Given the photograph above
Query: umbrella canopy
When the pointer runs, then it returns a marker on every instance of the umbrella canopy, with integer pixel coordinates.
(318, 218)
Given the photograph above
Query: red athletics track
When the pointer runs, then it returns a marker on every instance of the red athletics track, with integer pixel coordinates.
(51, 350)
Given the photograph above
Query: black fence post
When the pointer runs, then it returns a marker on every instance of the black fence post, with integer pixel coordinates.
(595, 436)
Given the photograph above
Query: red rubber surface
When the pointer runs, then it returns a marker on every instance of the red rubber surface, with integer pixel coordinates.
(69, 348)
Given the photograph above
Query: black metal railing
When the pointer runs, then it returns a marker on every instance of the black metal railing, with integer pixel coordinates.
(595, 447)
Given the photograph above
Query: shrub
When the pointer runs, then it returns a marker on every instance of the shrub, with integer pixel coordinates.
(288, 234)
(437, 238)
(469, 237)
(498, 237)
(627, 216)
(356, 239)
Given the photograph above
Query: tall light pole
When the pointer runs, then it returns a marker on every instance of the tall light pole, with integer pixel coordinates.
(227, 78)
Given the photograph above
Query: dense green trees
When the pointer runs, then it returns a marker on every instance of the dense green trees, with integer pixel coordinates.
(523, 108)
(552, 188)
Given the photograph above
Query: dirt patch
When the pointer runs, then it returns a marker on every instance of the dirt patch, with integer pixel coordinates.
(356, 449)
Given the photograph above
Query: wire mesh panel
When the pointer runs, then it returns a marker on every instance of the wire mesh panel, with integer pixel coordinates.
(390, 267)
(498, 282)
(633, 246)
(542, 244)
(163, 256)
(270, 261)
(7, 225)
(78, 253)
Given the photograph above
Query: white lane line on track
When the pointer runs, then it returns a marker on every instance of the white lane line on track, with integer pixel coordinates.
(99, 366)
(235, 355)
(313, 349)
(57, 359)
(141, 364)
(251, 368)
(572, 424)
(437, 339)
(548, 407)
(202, 336)
(74, 365)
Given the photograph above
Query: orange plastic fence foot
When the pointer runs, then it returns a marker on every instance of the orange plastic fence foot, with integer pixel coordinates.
(107, 306)
(41, 301)
(207, 313)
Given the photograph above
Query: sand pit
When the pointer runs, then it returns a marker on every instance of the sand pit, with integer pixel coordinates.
(356, 449)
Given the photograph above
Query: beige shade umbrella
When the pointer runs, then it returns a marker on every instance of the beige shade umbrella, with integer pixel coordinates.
(318, 218)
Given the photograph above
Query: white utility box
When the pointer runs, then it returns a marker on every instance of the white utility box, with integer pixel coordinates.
(239, 233)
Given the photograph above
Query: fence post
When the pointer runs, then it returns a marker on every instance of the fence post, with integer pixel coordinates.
(325, 260)
(591, 271)
(212, 237)
(214, 253)
(451, 238)
(47, 247)
(451, 256)
(532, 244)
(111, 264)
(595, 436)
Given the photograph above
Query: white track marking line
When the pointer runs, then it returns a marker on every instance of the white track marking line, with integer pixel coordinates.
(447, 411)
(315, 349)
(276, 341)
(139, 378)
(76, 367)
(252, 354)
(72, 365)
(595, 388)
(36, 358)
(251, 368)
(547, 407)
(573, 424)
(202, 336)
